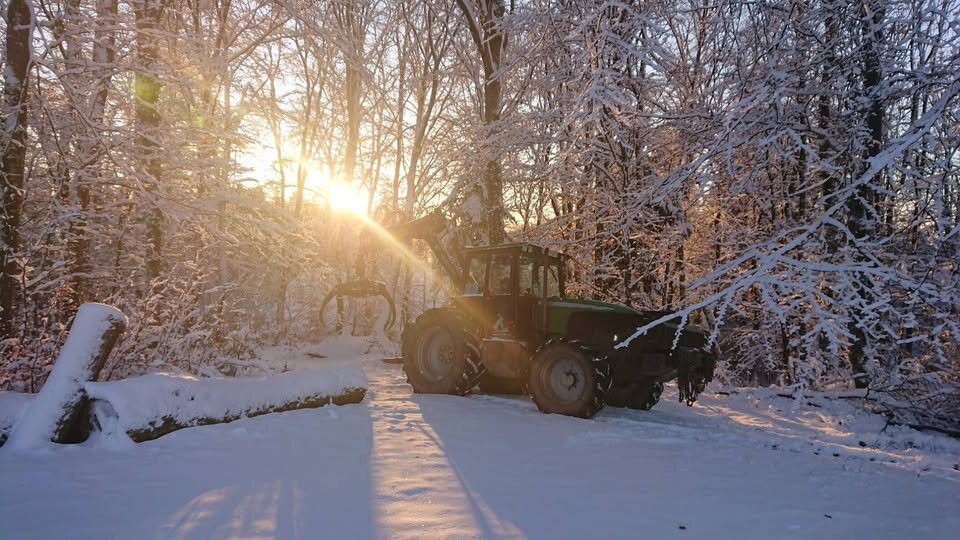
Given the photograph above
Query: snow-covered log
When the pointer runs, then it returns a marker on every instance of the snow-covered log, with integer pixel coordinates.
(59, 411)
(145, 408)
(12, 405)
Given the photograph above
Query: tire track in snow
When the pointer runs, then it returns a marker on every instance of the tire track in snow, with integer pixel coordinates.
(419, 492)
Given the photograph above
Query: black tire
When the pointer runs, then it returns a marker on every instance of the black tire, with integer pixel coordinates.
(642, 394)
(568, 378)
(439, 355)
(491, 384)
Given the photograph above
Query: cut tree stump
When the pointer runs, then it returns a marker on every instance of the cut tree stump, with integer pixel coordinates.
(59, 413)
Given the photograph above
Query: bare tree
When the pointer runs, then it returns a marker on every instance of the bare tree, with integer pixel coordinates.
(19, 30)
(147, 86)
(485, 22)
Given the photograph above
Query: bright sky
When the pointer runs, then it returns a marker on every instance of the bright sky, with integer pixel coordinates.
(321, 186)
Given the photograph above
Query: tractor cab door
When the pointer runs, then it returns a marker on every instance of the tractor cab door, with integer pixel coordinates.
(490, 290)
(507, 289)
(530, 294)
(501, 293)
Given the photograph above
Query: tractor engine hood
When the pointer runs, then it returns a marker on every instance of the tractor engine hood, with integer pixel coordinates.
(589, 305)
(615, 323)
(602, 326)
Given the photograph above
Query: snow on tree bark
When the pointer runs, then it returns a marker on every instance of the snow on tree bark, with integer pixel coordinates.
(59, 412)
(485, 22)
(13, 141)
(147, 87)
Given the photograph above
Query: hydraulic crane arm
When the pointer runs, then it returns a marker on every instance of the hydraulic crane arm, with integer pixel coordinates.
(436, 229)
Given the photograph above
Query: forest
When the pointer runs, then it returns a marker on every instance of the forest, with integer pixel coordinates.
(783, 174)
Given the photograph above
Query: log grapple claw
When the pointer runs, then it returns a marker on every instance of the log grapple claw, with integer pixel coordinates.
(362, 288)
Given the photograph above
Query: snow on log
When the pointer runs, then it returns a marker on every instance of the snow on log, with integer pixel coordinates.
(58, 413)
(147, 407)
(12, 405)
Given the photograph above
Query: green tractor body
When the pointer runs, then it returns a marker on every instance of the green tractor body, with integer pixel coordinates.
(522, 334)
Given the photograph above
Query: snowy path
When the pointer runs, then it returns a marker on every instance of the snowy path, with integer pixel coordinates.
(411, 466)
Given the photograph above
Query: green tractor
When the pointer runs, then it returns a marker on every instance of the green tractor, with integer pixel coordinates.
(512, 330)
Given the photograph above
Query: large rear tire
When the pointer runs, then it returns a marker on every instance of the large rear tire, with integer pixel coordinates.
(568, 378)
(439, 356)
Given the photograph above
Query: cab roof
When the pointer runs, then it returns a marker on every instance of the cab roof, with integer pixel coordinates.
(515, 247)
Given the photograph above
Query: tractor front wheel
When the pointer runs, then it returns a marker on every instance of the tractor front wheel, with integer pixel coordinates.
(568, 378)
(438, 356)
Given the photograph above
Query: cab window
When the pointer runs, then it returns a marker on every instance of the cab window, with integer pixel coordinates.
(529, 277)
(500, 274)
(553, 281)
(476, 276)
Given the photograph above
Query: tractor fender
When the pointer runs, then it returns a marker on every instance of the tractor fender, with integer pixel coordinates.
(450, 314)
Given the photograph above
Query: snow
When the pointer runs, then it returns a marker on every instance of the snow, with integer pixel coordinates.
(134, 403)
(12, 405)
(36, 425)
(401, 465)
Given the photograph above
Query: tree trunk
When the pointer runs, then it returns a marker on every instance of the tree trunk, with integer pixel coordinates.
(90, 152)
(484, 19)
(352, 35)
(859, 219)
(19, 29)
(168, 423)
(131, 406)
(146, 97)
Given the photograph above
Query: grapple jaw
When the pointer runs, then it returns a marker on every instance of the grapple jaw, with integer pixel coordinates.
(694, 375)
(362, 288)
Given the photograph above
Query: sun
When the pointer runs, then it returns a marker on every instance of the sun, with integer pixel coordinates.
(323, 185)
(338, 194)
(344, 198)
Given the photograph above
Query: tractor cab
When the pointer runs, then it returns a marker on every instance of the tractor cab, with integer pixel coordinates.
(506, 291)
(507, 286)
(513, 269)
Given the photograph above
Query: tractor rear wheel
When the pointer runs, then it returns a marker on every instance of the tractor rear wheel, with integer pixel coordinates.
(568, 378)
(642, 394)
(491, 384)
(439, 356)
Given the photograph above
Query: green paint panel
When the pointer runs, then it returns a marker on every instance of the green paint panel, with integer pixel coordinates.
(560, 310)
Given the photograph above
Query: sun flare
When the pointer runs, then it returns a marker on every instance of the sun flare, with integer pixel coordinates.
(339, 195)
(344, 198)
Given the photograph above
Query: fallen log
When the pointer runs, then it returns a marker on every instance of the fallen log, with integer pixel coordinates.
(12, 405)
(59, 412)
(147, 407)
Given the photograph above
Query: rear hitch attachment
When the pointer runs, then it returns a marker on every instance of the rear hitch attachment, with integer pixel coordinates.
(693, 378)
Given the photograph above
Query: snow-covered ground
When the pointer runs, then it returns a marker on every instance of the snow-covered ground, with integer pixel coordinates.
(398, 465)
